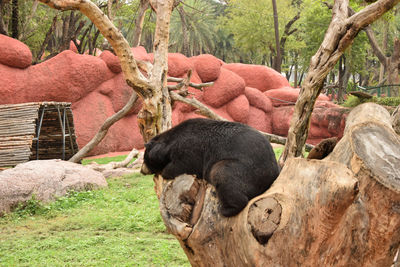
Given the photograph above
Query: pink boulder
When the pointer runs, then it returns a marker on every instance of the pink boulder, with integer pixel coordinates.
(281, 117)
(259, 120)
(238, 109)
(112, 61)
(118, 91)
(139, 53)
(89, 115)
(258, 99)
(287, 96)
(328, 122)
(66, 77)
(178, 65)
(227, 87)
(260, 77)
(207, 66)
(325, 104)
(14, 53)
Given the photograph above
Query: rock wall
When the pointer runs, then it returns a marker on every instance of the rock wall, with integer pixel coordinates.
(251, 94)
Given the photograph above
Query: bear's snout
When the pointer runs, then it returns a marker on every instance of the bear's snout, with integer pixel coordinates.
(145, 170)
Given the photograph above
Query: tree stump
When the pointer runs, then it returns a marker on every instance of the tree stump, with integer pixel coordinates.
(343, 210)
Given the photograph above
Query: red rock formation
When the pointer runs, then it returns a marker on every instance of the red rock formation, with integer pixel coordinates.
(227, 87)
(239, 109)
(259, 120)
(112, 61)
(13, 53)
(258, 99)
(256, 76)
(178, 65)
(207, 66)
(97, 89)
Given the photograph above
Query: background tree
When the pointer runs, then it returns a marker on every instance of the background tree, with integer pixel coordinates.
(339, 36)
(193, 30)
(257, 45)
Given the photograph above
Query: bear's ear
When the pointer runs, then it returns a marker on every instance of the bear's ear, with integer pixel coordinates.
(158, 151)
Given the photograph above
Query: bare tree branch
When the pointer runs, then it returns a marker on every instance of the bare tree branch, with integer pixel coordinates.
(104, 129)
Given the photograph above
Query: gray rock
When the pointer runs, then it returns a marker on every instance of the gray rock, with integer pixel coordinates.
(46, 180)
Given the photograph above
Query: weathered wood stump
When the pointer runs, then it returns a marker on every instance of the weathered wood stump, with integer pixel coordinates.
(340, 211)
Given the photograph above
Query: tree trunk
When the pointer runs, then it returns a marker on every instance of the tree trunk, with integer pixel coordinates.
(278, 57)
(155, 116)
(3, 27)
(340, 211)
(393, 68)
(296, 70)
(343, 78)
(185, 32)
(396, 120)
(391, 63)
(340, 34)
(144, 5)
(15, 19)
(384, 46)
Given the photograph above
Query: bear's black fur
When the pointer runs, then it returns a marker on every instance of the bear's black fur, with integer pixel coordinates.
(235, 158)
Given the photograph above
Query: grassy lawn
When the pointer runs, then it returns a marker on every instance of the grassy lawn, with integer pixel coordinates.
(117, 226)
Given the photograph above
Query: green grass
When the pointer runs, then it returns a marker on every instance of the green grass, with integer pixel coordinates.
(105, 160)
(116, 226)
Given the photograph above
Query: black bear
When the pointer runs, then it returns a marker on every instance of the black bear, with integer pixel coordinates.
(235, 158)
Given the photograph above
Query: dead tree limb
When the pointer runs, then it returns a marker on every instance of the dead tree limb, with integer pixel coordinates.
(115, 165)
(104, 129)
(340, 211)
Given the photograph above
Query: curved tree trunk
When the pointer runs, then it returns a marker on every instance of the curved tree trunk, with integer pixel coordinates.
(340, 211)
(155, 116)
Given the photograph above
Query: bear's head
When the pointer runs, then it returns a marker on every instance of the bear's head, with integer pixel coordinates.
(155, 157)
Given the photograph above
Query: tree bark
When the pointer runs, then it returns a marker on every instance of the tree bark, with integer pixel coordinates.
(3, 27)
(278, 57)
(396, 120)
(46, 39)
(340, 211)
(144, 5)
(340, 34)
(15, 19)
(185, 32)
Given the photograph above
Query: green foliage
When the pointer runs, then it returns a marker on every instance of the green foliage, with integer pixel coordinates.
(353, 101)
(314, 22)
(200, 16)
(252, 26)
(387, 101)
